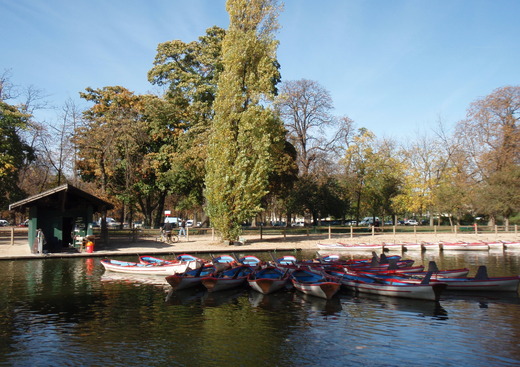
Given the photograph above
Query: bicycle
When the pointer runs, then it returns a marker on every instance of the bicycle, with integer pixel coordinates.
(168, 237)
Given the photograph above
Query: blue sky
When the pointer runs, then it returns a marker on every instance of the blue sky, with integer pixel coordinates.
(394, 66)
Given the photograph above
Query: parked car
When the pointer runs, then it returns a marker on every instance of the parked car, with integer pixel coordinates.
(350, 222)
(3, 223)
(298, 224)
(368, 221)
(189, 223)
(411, 222)
(111, 222)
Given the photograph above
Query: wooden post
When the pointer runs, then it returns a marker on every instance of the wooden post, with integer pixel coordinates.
(212, 234)
(476, 228)
(12, 236)
(330, 232)
(351, 231)
(496, 230)
(415, 232)
(455, 229)
(516, 228)
(373, 231)
(393, 230)
(187, 234)
(261, 231)
(284, 232)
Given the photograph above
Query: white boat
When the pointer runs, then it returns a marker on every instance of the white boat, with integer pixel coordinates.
(372, 285)
(150, 269)
(351, 247)
(512, 245)
(393, 246)
(481, 282)
(412, 246)
(464, 246)
(500, 284)
(430, 246)
(495, 245)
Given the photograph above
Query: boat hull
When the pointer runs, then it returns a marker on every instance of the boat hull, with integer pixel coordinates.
(428, 292)
(268, 280)
(314, 284)
(464, 246)
(509, 284)
(189, 279)
(346, 247)
(399, 288)
(324, 290)
(512, 245)
(213, 284)
(148, 269)
(228, 279)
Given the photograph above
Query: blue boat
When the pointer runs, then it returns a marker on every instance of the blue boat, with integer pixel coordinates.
(268, 280)
(190, 278)
(314, 284)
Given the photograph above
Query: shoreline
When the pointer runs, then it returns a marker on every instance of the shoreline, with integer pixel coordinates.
(203, 244)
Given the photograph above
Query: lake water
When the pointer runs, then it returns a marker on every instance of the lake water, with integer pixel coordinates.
(69, 312)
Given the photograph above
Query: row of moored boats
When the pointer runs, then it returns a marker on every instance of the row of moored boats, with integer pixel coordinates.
(322, 277)
(423, 246)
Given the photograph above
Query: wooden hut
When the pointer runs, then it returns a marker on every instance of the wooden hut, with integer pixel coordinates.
(59, 216)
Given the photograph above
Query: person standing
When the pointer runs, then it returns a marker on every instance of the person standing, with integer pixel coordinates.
(182, 228)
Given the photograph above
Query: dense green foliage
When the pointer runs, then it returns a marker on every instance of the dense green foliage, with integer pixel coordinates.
(245, 129)
(14, 152)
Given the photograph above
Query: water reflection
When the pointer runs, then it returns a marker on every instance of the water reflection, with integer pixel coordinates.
(316, 304)
(185, 296)
(482, 297)
(271, 302)
(135, 279)
(215, 299)
(413, 307)
(64, 310)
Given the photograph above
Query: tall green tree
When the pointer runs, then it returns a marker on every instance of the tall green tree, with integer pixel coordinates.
(245, 128)
(15, 153)
(182, 117)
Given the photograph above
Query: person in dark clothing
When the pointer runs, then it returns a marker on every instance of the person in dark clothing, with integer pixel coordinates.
(182, 229)
(167, 230)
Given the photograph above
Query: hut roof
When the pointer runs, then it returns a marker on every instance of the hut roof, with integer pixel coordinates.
(64, 196)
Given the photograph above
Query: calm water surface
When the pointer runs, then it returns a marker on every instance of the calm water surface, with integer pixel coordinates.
(69, 312)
